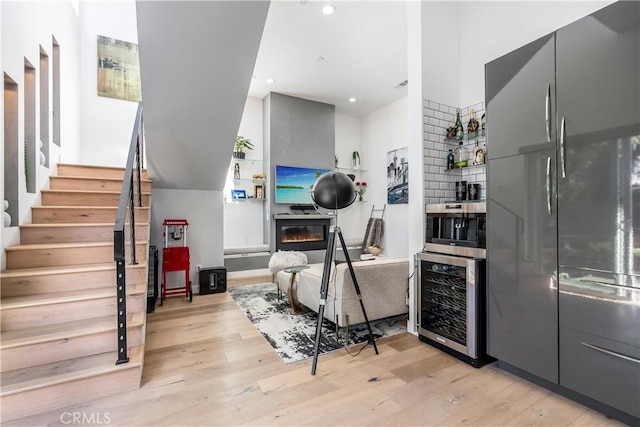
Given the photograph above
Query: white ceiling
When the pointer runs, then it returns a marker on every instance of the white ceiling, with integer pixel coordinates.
(364, 45)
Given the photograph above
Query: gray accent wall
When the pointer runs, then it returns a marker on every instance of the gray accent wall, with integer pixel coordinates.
(298, 132)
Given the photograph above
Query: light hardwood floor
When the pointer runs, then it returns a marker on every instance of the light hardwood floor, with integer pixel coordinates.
(206, 365)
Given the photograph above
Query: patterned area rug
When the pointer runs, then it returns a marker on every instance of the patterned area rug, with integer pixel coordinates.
(293, 336)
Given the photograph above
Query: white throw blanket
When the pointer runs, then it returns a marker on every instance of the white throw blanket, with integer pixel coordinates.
(284, 259)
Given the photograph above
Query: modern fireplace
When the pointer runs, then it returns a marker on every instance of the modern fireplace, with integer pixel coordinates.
(301, 232)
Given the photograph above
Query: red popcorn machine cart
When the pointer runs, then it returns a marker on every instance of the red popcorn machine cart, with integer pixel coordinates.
(175, 257)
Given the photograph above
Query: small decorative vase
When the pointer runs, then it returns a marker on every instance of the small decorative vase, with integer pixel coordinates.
(5, 215)
(43, 158)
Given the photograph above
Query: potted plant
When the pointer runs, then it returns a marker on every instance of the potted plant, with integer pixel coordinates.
(240, 145)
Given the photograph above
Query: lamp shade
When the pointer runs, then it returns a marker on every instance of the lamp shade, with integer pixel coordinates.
(333, 190)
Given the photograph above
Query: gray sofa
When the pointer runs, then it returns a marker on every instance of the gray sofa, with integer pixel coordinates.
(383, 285)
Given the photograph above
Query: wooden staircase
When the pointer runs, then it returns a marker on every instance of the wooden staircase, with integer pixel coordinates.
(58, 336)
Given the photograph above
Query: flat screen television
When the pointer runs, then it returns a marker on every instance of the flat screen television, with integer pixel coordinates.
(293, 184)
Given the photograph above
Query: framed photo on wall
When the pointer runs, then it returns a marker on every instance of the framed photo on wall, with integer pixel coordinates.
(238, 194)
(258, 191)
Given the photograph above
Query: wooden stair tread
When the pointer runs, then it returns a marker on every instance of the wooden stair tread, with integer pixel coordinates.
(114, 168)
(96, 178)
(65, 245)
(88, 191)
(61, 331)
(32, 378)
(67, 296)
(72, 165)
(83, 207)
(72, 224)
(45, 271)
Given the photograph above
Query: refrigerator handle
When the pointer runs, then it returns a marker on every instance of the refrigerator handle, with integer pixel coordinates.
(562, 158)
(547, 112)
(548, 185)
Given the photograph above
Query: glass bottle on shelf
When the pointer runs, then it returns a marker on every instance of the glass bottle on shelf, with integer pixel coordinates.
(450, 160)
(472, 126)
(478, 154)
(458, 126)
(483, 121)
(460, 156)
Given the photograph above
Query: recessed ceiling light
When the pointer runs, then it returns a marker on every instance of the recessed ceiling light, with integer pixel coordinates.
(352, 99)
(328, 9)
(320, 58)
(270, 81)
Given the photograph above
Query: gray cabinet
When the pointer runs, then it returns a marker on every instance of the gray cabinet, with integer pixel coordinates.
(598, 98)
(592, 307)
(522, 248)
(521, 89)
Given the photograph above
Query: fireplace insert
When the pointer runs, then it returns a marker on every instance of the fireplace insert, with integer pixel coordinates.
(302, 234)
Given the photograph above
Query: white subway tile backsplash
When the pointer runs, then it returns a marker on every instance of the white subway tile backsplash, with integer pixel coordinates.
(439, 184)
(433, 121)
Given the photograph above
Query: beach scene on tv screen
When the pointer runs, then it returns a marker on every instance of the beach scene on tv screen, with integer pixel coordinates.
(294, 184)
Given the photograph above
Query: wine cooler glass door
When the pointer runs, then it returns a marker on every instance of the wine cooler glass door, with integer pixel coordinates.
(446, 301)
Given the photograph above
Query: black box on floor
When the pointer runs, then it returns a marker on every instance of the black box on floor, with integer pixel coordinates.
(212, 280)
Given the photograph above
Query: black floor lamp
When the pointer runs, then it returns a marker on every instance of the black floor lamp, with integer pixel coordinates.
(334, 191)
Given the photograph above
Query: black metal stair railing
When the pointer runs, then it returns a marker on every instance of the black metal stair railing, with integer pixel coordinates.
(130, 198)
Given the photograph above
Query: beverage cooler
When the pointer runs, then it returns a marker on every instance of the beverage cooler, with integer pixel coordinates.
(451, 314)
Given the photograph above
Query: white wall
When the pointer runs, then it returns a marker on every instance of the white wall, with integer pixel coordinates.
(415, 135)
(384, 130)
(489, 30)
(353, 221)
(25, 27)
(244, 221)
(203, 210)
(106, 123)
(441, 29)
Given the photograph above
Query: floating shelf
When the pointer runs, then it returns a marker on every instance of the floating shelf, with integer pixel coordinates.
(467, 136)
(350, 169)
(465, 167)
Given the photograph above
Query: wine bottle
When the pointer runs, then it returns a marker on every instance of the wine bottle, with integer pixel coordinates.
(459, 127)
(450, 160)
(484, 121)
(472, 126)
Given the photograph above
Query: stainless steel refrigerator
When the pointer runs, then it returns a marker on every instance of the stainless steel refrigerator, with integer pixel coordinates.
(563, 207)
